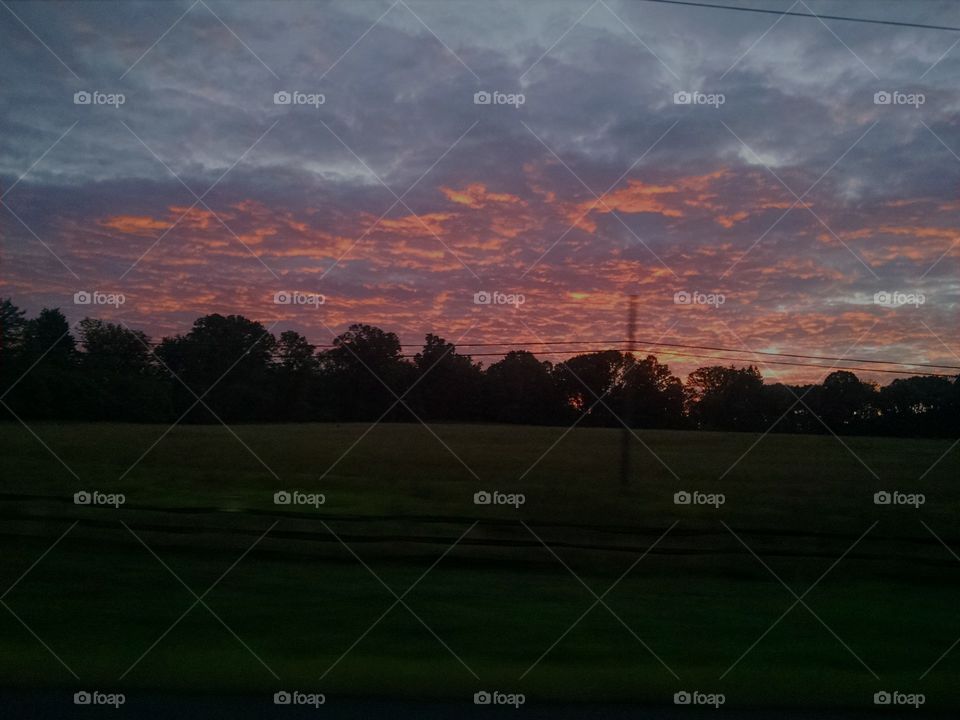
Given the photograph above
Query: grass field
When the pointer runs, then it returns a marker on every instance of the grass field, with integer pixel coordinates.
(498, 610)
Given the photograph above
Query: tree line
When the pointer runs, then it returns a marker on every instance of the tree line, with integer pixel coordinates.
(231, 369)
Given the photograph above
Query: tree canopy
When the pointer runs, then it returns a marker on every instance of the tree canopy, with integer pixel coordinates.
(234, 369)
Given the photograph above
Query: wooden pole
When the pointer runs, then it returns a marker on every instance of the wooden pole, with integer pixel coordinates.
(627, 396)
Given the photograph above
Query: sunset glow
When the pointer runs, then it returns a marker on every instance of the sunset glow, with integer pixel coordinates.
(399, 196)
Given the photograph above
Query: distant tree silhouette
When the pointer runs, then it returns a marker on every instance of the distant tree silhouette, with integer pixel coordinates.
(224, 360)
(922, 406)
(448, 386)
(844, 402)
(360, 371)
(245, 374)
(783, 409)
(520, 389)
(592, 383)
(119, 374)
(655, 395)
(296, 368)
(48, 335)
(605, 384)
(40, 366)
(12, 326)
(725, 398)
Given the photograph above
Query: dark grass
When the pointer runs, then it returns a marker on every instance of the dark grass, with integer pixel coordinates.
(498, 600)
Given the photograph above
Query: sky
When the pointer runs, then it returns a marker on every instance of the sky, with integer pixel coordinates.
(741, 173)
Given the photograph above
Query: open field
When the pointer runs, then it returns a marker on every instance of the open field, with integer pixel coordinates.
(500, 609)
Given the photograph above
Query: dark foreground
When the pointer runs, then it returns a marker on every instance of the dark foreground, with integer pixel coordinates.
(199, 596)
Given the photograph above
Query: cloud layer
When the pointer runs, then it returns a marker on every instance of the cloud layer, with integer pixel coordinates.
(786, 183)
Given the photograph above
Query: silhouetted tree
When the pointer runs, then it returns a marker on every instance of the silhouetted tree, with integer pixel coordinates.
(923, 406)
(224, 360)
(43, 368)
(48, 335)
(725, 398)
(447, 385)
(119, 374)
(297, 384)
(12, 326)
(247, 375)
(843, 402)
(361, 370)
(612, 386)
(783, 410)
(520, 389)
(655, 395)
(591, 383)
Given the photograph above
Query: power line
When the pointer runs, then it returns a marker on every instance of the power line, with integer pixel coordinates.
(871, 21)
(740, 360)
(606, 345)
(712, 348)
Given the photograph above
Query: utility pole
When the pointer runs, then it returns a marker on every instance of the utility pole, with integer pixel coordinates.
(627, 396)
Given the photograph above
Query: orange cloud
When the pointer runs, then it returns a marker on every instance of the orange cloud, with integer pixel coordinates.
(728, 221)
(197, 218)
(476, 196)
(927, 243)
(416, 225)
(636, 197)
(134, 224)
(666, 200)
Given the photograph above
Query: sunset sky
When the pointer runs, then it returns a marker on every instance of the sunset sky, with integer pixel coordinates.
(398, 198)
